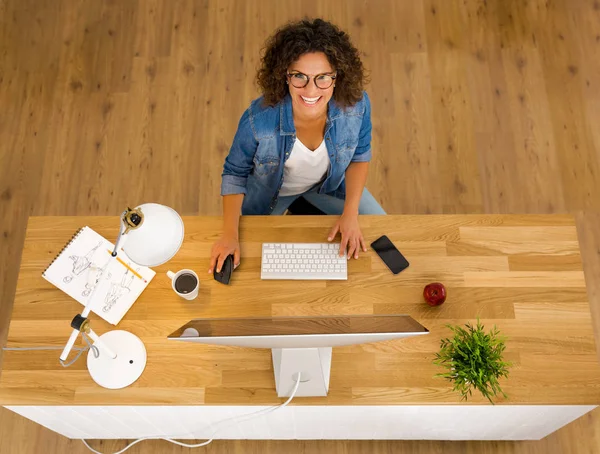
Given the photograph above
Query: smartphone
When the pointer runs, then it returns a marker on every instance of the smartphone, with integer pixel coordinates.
(391, 256)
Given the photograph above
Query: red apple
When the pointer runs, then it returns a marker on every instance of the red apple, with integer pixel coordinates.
(434, 294)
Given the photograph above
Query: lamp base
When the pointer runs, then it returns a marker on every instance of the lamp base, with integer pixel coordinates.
(123, 370)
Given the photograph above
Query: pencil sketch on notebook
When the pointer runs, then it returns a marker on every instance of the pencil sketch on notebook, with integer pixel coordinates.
(81, 263)
(118, 289)
(94, 274)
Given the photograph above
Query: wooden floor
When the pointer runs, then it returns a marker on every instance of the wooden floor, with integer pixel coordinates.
(478, 107)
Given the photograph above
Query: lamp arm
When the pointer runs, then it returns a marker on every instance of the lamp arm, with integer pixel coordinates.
(101, 345)
(77, 321)
(129, 219)
(69, 346)
(122, 237)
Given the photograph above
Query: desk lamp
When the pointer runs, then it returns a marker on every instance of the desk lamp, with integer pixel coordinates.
(150, 235)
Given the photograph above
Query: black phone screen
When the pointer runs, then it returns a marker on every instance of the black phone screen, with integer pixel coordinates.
(391, 256)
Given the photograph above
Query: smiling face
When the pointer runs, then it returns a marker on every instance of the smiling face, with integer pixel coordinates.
(310, 102)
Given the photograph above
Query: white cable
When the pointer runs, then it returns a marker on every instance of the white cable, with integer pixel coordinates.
(236, 419)
(64, 364)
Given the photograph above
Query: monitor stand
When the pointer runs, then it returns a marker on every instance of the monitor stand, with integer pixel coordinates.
(313, 363)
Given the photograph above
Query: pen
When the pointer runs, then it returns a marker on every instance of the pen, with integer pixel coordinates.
(129, 268)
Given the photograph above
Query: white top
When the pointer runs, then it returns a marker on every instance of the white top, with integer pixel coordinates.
(304, 168)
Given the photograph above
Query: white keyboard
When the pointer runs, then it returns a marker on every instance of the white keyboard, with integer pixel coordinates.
(303, 261)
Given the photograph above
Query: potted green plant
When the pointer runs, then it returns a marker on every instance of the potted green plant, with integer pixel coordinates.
(474, 360)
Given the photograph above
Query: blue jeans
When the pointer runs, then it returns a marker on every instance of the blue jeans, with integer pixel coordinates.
(329, 204)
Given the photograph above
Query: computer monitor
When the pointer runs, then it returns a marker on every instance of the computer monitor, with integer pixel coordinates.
(300, 344)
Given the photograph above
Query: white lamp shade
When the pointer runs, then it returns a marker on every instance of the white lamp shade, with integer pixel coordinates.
(157, 239)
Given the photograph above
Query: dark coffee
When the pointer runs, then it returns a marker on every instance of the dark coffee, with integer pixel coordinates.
(186, 283)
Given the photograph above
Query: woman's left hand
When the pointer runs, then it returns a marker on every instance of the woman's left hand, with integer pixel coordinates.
(352, 237)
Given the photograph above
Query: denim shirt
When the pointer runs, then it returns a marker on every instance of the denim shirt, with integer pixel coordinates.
(265, 138)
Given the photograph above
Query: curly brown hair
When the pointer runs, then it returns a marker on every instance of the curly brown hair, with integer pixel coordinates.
(295, 39)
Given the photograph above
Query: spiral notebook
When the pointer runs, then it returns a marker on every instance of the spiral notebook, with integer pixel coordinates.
(77, 267)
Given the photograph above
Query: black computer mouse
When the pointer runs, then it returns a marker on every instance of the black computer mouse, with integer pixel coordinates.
(225, 274)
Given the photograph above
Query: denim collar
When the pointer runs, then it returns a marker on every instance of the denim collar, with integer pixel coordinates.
(286, 116)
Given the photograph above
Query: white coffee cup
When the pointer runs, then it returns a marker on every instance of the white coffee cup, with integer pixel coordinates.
(183, 285)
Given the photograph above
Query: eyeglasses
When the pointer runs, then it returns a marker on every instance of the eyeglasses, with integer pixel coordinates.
(322, 81)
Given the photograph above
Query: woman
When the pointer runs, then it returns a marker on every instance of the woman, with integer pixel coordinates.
(308, 135)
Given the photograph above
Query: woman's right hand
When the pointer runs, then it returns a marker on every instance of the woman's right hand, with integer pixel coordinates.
(225, 246)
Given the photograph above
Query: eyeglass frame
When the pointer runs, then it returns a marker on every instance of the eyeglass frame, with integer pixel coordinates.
(314, 78)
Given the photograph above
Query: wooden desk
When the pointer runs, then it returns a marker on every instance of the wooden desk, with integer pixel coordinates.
(522, 273)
